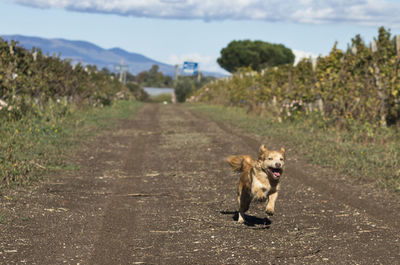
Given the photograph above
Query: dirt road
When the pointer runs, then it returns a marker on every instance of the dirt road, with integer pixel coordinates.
(155, 190)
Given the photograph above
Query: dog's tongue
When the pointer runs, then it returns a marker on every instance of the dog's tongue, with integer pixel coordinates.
(276, 174)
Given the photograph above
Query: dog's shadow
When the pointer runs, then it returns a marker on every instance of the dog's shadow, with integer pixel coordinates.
(250, 220)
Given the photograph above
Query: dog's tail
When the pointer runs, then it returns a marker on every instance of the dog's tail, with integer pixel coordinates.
(240, 163)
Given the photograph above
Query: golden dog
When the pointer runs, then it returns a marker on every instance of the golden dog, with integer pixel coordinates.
(259, 179)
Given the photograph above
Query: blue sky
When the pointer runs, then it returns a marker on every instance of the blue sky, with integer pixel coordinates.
(172, 31)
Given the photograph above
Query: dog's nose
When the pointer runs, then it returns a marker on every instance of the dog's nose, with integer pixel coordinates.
(278, 164)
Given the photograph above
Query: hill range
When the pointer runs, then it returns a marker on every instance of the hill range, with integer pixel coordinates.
(88, 53)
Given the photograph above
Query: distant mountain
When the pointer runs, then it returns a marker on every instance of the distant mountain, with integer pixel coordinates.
(89, 53)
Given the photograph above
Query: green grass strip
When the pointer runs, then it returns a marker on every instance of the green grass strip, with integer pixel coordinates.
(40, 141)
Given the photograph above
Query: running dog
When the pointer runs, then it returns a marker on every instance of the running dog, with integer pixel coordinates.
(259, 179)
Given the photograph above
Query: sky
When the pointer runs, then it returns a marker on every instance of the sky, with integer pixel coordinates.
(172, 31)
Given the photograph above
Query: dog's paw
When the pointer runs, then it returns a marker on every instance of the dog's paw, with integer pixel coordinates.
(261, 199)
(270, 212)
(241, 219)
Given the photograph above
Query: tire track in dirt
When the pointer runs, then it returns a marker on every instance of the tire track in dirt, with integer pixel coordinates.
(120, 223)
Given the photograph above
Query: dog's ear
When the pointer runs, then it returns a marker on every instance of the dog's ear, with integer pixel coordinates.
(263, 149)
(282, 150)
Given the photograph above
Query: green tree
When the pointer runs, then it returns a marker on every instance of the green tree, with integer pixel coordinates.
(183, 88)
(254, 54)
(153, 78)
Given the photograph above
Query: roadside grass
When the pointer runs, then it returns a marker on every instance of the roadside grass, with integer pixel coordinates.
(360, 151)
(161, 98)
(39, 142)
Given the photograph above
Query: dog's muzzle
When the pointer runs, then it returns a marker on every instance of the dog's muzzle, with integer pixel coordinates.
(274, 171)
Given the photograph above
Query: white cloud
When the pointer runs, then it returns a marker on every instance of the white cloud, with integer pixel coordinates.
(206, 63)
(303, 54)
(361, 12)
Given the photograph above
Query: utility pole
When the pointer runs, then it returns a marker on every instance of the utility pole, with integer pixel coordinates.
(173, 96)
(176, 72)
(397, 44)
(122, 68)
(198, 74)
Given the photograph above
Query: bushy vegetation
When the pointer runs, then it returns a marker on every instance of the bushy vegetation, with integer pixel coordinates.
(183, 88)
(254, 54)
(138, 91)
(28, 76)
(151, 78)
(40, 96)
(358, 86)
(340, 111)
(186, 85)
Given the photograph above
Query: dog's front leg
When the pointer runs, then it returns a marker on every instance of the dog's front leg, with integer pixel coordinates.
(270, 210)
(244, 200)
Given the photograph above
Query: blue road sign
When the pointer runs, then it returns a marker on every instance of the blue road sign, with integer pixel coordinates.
(190, 68)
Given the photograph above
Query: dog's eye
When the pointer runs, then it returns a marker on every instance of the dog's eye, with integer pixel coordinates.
(281, 159)
(269, 158)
